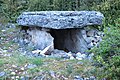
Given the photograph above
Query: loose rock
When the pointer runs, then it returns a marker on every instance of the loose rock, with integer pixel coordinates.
(2, 74)
(78, 78)
(31, 66)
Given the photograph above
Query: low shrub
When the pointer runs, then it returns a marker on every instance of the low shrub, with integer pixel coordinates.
(107, 55)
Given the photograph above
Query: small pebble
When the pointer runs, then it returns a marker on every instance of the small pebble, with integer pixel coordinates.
(13, 77)
(13, 73)
(3, 30)
(31, 66)
(2, 74)
(71, 58)
(17, 77)
(14, 66)
(4, 51)
(86, 78)
(36, 51)
(52, 73)
(25, 72)
(78, 78)
(92, 78)
(78, 58)
(16, 70)
(10, 70)
(22, 68)
(24, 78)
(25, 65)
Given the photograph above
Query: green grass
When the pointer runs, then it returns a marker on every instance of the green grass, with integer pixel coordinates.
(37, 61)
(1, 62)
(68, 68)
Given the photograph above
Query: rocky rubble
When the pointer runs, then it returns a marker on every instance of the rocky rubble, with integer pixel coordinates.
(88, 39)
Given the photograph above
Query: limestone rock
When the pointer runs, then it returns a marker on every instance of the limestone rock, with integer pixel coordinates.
(36, 51)
(41, 39)
(60, 19)
(90, 45)
(47, 50)
(91, 33)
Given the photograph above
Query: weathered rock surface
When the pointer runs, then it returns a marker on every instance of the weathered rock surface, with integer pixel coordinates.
(60, 19)
(41, 39)
(63, 30)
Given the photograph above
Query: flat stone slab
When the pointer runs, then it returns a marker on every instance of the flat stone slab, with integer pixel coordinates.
(60, 19)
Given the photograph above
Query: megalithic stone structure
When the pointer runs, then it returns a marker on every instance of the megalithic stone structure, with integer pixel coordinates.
(66, 30)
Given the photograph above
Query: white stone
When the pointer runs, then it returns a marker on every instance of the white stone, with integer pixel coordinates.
(4, 51)
(94, 40)
(94, 43)
(97, 37)
(3, 30)
(13, 73)
(83, 56)
(13, 77)
(47, 50)
(17, 77)
(71, 58)
(52, 74)
(69, 54)
(22, 68)
(90, 45)
(14, 66)
(30, 66)
(78, 54)
(36, 51)
(79, 58)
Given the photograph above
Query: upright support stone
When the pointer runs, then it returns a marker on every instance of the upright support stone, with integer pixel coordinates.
(41, 39)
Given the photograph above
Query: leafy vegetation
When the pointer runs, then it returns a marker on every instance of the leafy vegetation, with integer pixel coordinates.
(11, 9)
(107, 55)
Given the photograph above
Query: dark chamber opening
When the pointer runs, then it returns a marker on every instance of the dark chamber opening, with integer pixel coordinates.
(59, 38)
(69, 40)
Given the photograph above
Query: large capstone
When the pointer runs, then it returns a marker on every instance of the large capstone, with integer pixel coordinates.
(60, 19)
(73, 31)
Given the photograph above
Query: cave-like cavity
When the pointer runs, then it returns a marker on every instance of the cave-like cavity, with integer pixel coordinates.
(69, 40)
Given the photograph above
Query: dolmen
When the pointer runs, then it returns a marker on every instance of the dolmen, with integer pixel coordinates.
(74, 31)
